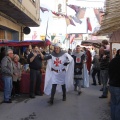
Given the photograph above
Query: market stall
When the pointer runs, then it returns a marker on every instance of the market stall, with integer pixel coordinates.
(24, 83)
(25, 78)
(95, 43)
(114, 41)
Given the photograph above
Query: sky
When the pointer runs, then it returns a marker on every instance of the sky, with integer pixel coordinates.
(58, 26)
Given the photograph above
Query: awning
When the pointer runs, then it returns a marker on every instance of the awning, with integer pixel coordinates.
(115, 37)
(95, 43)
(25, 43)
(111, 18)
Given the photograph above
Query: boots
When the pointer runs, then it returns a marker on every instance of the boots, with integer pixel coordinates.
(64, 92)
(79, 92)
(50, 101)
(52, 94)
(75, 87)
(64, 98)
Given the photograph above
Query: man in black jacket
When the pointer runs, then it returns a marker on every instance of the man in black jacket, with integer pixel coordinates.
(114, 82)
(35, 64)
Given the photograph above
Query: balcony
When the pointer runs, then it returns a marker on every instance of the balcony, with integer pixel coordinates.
(15, 11)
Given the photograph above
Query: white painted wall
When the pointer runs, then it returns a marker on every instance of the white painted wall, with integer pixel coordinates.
(116, 45)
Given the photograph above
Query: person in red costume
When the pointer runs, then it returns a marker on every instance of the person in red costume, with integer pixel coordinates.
(88, 59)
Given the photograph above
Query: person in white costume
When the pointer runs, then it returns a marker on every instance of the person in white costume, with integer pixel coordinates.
(59, 72)
(86, 68)
(92, 51)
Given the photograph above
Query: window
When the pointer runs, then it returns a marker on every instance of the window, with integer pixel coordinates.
(59, 7)
(33, 1)
(8, 35)
(20, 1)
(2, 34)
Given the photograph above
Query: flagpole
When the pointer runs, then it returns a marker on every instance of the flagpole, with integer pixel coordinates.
(46, 32)
(46, 28)
(66, 24)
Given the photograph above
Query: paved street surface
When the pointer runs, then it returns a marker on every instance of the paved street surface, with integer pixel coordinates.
(87, 106)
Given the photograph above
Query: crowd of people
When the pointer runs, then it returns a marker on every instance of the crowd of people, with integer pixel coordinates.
(65, 71)
(106, 69)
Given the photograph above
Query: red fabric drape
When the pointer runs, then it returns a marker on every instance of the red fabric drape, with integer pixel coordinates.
(89, 26)
(89, 60)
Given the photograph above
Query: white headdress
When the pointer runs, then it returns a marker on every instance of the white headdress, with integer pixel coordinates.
(58, 45)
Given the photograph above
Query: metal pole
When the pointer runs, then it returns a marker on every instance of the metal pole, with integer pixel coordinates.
(110, 50)
(66, 25)
(46, 33)
(69, 41)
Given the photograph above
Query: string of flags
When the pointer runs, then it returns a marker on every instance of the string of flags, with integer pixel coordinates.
(80, 12)
(69, 19)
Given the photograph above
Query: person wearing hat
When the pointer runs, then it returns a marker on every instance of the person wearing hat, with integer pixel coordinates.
(59, 72)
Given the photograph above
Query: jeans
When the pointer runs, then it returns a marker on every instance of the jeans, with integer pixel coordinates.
(115, 102)
(104, 80)
(7, 87)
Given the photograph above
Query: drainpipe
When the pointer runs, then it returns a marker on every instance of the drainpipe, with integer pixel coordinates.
(21, 37)
(110, 50)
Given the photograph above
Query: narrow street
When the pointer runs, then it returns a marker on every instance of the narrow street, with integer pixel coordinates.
(87, 106)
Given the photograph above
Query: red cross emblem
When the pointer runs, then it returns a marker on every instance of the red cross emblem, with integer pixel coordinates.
(57, 62)
(77, 60)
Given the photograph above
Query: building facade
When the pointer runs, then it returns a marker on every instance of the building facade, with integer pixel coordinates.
(15, 15)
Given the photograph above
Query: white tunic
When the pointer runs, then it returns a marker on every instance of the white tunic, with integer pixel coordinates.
(57, 64)
(57, 73)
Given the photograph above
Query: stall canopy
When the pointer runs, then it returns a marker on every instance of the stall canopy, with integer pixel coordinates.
(25, 43)
(115, 37)
(111, 17)
(95, 43)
